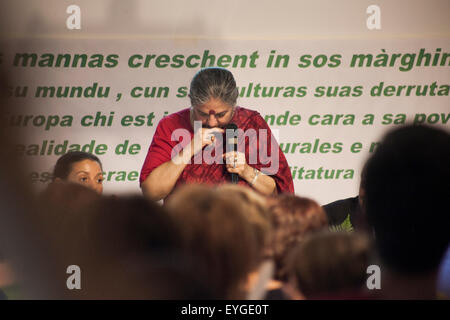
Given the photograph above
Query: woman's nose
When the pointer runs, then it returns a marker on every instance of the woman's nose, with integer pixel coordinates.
(212, 121)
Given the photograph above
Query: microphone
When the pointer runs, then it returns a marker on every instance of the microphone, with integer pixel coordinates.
(231, 144)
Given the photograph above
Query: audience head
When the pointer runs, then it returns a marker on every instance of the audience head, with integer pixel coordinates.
(293, 218)
(407, 197)
(126, 248)
(216, 232)
(136, 243)
(254, 206)
(362, 186)
(330, 265)
(81, 168)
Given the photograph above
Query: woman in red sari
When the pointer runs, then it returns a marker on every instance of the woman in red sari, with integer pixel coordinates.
(187, 145)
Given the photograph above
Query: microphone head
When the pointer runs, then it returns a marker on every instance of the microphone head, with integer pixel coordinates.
(231, 141)
(231, 126)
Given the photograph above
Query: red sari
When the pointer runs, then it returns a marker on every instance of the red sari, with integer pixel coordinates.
(160, 151)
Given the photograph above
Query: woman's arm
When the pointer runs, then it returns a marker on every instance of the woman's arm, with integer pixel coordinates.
(259, 181)
(162, 179)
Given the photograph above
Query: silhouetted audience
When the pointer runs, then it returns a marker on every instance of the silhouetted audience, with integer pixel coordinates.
(126, 248)
(443, 285)
(6, 279)
(330, 265)
(407, 197)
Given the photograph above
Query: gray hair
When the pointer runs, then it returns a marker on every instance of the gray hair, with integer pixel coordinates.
(215, 83)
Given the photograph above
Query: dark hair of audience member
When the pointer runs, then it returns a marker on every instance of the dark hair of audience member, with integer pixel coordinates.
(215, 231)
(407, 198)
(293, 218)
(127, 248)
(330, 265)
(362, 185)
(81, 168)
(64, 164)
(17, 232)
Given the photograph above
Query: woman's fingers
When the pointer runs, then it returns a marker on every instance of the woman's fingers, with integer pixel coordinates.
(208, 135)
(234, 159)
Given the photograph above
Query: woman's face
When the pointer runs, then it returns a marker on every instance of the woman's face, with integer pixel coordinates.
(87, 173)
(214, 113)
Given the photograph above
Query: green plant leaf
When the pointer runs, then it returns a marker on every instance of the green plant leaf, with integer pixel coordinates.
(345, 226)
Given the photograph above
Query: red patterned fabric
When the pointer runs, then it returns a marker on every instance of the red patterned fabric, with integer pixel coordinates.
(215, 173)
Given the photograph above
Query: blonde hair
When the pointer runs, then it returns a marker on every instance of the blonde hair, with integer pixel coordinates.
(255, 211)
(216, 232)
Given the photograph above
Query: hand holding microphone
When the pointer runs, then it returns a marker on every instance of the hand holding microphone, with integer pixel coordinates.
(235, 161)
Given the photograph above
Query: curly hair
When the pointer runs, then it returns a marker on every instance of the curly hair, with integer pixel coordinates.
(293, 218)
